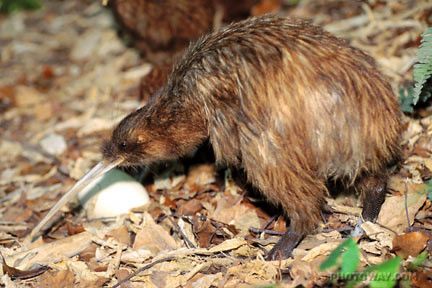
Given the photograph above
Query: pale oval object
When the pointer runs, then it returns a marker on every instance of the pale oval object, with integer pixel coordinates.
(112, 194)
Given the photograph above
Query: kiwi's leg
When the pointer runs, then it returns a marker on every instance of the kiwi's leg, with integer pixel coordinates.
(304, 215)
(284, 247)
(373, 190)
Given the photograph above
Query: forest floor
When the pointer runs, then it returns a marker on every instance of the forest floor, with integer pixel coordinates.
(66, 78)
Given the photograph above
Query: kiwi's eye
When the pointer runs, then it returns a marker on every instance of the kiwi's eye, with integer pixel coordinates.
(123, 145)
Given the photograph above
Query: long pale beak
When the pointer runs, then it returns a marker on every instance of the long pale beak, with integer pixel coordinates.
(98, 170)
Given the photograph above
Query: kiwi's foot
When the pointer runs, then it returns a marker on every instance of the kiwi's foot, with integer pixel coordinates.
(284, 247)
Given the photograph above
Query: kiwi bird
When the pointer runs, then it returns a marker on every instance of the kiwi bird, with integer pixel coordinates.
(290, 104)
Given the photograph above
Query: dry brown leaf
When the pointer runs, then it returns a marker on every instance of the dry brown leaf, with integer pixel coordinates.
(136, 256)
(323, 249)
(204, 281)
(410, 244)
(159, 278)
(255, 272)
(241, 216)
(62, 278)
(43, 111)
(372, 247)
(422, 279)
(301, 272)
(153, 237)
(84, 276)
(227, 245)
(204, 230)
(190, 207)
(26, 96)
(21, 274)
(120, 234)
(210, 232)
(49, 253)
(199, 176)
(393, 214)
(379, 233)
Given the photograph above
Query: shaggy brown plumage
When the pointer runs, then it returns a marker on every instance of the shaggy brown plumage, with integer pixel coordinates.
(161, 24)
(289, 103)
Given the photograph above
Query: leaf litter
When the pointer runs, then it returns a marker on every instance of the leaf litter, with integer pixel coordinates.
(66, 78)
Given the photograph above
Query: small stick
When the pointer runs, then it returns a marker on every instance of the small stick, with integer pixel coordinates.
(406, 204)
(270, 221)
(189, 243)
(148, 266)
(266, 231)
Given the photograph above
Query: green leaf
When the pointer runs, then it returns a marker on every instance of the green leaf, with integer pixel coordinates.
(351, 258)
(418, 261)
(10, 6)
(332, 259)
(406, 99)
(385, 274)
(423, 68)
(428, 189)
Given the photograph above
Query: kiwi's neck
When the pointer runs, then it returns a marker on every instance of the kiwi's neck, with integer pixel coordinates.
(181, 120)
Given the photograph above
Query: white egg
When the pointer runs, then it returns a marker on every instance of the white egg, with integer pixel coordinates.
(112, 194)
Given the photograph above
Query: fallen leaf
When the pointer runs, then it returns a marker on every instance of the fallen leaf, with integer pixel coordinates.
(422, 279)
(410, 244)
(21, 274)
(204, 281)
(210, 232)
(398, 221)
(241, 216)
(190, 207)
(49, 253)
(200, 176)
(62, 278)
(377, 232)
(120, 234)
(153, 237)
(255, 272)
(43, 111)
(323, 249)
(26, 96)
(229, 244)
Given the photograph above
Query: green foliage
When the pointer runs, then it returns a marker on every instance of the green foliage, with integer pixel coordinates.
(346, 257)
(418, 261)
(428, 189)
(406, 99)
(422, 73)
(384, 274)
(9, 6)
(423, 68)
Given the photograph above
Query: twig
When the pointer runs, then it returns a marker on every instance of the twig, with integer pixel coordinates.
(148, 266)
(188, 242)
(265, 231)
(340, 229)
(270, 221)
(406, 204)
